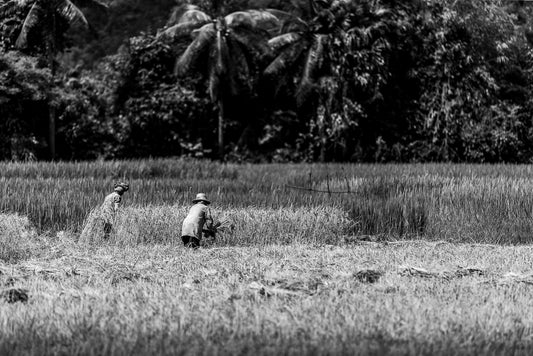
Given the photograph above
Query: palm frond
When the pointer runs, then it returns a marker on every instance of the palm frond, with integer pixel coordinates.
(32, 20)
(240, 60)
(303, 8)
(8, 8)
(266, 20)
(218, 60)
(180, 30)
(280, 14)
(286, 58)
(260, 19)
(91, 4)
(240, 18)
(195, 16)
(22, 2)
(252, 41)
(313, 60)
(213, 85)
(238, 68)
(71, 13)
(306, 93)
(284, 40)
(363, 14)
(180, 11)
(221, 53)
(363, 36)
(204, 37)
(288, 22)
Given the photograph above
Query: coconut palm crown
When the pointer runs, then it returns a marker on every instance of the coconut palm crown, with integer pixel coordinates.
(44, 18)
(306, 40)
(225, 48)
(315, 54)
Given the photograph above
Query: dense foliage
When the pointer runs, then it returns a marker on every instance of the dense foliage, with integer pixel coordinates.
(24, 91)
(328, 80)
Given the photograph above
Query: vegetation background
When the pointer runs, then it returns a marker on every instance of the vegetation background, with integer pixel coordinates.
(359, 81)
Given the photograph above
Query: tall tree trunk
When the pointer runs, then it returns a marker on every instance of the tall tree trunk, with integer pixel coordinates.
(322, 132)
(221, 129)
(52, 131)
(322, 157)
(51, 108)
(52, 112)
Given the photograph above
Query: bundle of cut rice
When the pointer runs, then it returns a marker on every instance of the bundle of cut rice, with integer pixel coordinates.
(213, 226)
(93, 228)
(368, 276)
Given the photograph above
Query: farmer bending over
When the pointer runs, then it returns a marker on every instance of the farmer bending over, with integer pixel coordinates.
(192, 228)
(111, 205)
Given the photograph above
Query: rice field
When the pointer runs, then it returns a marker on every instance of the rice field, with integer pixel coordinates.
(459, 203)
(312, 259)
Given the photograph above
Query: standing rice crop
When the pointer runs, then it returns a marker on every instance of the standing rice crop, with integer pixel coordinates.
(240, 226)
(471, 203)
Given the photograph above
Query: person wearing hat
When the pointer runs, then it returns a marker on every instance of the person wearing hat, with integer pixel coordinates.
(193, 224)
(111, 205)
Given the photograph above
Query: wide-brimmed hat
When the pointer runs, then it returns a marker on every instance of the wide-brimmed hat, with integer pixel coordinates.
(124, 186)
(201, 197)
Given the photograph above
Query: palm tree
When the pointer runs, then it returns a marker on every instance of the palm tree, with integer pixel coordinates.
(309, 46)
(43, 29)
(225, 48)
(304, 41)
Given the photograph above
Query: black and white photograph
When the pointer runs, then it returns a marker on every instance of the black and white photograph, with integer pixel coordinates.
(266, 177)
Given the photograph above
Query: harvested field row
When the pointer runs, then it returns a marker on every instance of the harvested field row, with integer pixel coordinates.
(167, 300)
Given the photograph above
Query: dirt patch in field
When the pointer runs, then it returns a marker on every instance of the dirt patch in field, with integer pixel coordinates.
(14, 295)
(368, 276)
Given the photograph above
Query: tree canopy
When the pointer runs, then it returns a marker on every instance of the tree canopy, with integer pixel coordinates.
(269, 80)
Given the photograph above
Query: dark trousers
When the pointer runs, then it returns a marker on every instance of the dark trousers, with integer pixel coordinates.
(107, 229)
(190, 241)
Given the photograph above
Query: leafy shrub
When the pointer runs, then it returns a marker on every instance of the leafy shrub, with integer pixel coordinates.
(86, 131)
(157, 116)
(169, 121)
(24, 90)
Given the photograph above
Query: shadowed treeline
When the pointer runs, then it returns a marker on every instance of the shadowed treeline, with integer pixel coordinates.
(295, 81)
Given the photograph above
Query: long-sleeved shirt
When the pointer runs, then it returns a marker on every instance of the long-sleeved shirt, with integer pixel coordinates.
(110, 206)
(195, 220)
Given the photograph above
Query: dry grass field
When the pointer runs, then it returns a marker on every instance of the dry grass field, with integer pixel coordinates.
(444, 268)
